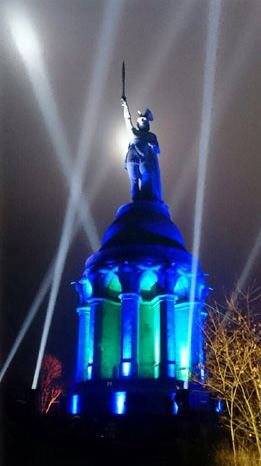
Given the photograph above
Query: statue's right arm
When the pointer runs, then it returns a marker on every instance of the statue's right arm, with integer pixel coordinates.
(127, 115)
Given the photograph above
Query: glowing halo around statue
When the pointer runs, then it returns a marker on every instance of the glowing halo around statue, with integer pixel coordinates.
(122, 142)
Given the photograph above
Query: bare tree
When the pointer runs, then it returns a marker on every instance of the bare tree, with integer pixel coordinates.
(50, 386)
(233, 371)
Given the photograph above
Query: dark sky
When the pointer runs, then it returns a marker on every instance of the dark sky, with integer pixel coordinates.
(163, 43)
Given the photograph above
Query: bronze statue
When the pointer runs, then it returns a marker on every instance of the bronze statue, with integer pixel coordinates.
(142, 156)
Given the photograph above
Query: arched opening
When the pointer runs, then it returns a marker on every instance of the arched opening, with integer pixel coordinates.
(182, 288)
(148, 285)
(112, 286)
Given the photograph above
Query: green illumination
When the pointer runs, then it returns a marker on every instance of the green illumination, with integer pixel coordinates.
(111, 340)
(157, 340)
(183, 356)
(86, 346)
(148, 281)
(115, 284)
(91, 343)
(182, 287)
(83, 343)
(129, 329)
(146, 341)
(171, 342)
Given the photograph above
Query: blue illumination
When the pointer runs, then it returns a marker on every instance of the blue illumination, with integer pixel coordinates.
(218, 407)
(118, 403)
(87, 288)
(127, 320)
(171, 369)
(126, 337)
(91, 343)
(175, 406)
(89, 371)
(157, 341)
(171, 343)
(184, 362)
(82, 358)
(203, 315)
(183, 355)
(126, 369)
(182, 286)
(74, 404)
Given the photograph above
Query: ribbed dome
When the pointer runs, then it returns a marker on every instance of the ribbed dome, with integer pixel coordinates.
(143, 222)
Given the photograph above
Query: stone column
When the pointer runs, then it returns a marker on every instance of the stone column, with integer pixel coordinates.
(83, 342)
(202, 317)
(130, 281)
(129, 333)
(167, 280)
(167, 336)
(95, 348)
(197, 312)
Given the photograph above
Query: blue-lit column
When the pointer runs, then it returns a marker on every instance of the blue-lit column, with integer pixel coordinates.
(167, 336)
(203, 315)
(129, 333)
(167, 323)
(94, 359)
(197, 340)
(130, 281)
(184, 346)
(83, 343)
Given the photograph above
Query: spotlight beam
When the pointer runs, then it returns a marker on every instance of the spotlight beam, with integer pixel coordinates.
(33, 310)
(58, 270)
(205, 131)
(101, 68)
(237, 65)
(29, 47)
(43, 290)
(248, 266)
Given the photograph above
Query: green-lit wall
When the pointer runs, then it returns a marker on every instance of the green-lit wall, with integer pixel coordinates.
(146, 340)
(111, 339)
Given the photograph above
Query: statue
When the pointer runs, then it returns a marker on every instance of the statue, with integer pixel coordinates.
(142, 157)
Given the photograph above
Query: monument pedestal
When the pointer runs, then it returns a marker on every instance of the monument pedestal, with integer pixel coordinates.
(133, 327)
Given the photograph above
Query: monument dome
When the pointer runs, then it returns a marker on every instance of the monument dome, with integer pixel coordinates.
(143, 222)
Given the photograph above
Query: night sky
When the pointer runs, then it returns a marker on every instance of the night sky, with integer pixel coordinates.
(163, 44)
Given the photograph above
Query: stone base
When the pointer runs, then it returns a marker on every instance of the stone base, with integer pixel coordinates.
(136, 396)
